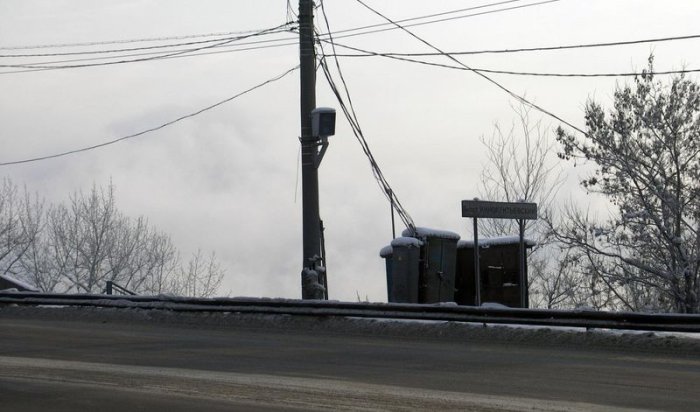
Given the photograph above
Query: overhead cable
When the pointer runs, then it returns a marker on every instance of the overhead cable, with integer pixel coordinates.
(161, 54)
(446, 18)
(175, 53)
(289, 41)
(426, 16)
(152, 129)
(527, 49)
(509, 72)
(126, 41)
(351, 117)
(480, 74)
(280, 29)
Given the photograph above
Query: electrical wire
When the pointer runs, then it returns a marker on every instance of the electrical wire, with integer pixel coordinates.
(427, 16)
(291, 16)
(153, 129)
(480, 74)
(129, 49)
(32, 69)
(176, 53)
(206, 53)
(450, 18)
(529, 49)
(509, 72)
(366, 53)
(126, 41)
(351, 116)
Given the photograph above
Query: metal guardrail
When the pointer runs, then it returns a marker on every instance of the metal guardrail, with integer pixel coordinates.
(435, 312)
(111, 287)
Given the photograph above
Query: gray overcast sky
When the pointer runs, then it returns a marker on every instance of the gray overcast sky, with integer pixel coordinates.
(225, 180)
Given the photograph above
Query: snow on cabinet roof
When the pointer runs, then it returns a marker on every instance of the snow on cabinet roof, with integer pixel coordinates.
(406, 241)
(427, 232)
(18, 283)
(495, 241)
(386, 251)
(399, 242)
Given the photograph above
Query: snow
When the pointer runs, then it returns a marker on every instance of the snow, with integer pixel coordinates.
(406, 242)
(427, 232)
(495, 241)
(19, 283)
(386, 251)
(494, 305)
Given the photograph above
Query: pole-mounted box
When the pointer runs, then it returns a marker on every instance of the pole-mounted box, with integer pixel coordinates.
(323, 122)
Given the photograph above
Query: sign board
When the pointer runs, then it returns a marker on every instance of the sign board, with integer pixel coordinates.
(499, 210)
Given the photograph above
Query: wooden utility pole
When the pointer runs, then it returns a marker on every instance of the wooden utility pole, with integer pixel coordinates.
(312, 277)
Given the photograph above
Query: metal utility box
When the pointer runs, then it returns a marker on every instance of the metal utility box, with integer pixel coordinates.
(437, 264)
(499, 267)
(323, 122)
(386, 253)
(402, 269)
(9, 283)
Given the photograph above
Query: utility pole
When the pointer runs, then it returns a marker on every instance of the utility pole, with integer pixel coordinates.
(312, 275)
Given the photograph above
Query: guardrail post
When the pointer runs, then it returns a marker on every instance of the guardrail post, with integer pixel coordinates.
(108, 288)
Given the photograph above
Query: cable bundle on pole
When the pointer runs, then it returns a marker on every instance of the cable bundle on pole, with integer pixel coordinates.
(351, 116)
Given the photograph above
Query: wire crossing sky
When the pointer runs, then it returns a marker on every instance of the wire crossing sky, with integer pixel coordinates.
(152, 129)
(225, 181)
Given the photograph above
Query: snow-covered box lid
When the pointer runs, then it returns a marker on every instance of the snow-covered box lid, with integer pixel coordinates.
(406, 241)
(399, 242)
(427, 232)
(386, 251)
(495, 241)
(18, 283)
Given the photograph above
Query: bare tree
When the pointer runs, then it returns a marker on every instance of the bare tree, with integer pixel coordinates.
(20, 223)
(647, 156)
(87, 242)
(200, 277)
(521, 166)
(162, 272)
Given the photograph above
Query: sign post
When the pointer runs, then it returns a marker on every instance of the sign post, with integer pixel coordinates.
(500, 210)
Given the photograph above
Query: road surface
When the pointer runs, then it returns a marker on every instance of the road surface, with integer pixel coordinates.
(72, 359)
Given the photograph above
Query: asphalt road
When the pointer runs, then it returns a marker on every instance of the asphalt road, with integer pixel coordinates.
(79, 362)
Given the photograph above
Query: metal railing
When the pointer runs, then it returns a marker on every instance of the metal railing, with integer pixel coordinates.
(111, 287)
(435, 312)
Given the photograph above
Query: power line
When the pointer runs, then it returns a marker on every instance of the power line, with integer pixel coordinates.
(450, 18)
(43, 66)
(509, 72)
(427, 16)
(129, 49)
(482, 75)
(126, 41)
(176, 53)
(77, 66)
(529, 49)
(206, 53)
(351, 116)
(153, 129)
(227, 33)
